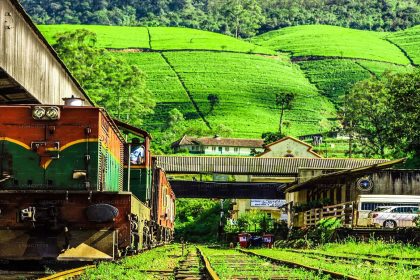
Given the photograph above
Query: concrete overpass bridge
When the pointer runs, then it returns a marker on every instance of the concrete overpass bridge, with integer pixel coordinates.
(266, 177)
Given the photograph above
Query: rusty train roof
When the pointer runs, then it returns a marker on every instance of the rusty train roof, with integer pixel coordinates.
(254, 165)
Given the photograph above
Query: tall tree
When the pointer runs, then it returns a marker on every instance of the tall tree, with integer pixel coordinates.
(110, 81)
(284, 101)
(384, 113)
(243, 17)
(213, 100)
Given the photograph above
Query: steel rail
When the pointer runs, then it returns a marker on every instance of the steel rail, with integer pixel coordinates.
(333, 274)
(378, 259)
(66, 274)
(210, 271)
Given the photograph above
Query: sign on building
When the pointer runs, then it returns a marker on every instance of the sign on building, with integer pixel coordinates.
(275, 203)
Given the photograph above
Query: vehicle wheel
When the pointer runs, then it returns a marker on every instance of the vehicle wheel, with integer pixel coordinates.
(390, 224)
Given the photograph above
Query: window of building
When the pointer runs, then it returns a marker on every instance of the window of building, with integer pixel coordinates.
(220, 149)
(213, 148)
(236, 149)
(227, 149)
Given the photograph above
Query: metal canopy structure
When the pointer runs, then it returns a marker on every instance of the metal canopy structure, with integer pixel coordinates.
(343, 174)
(13, 93)
(195, 189)
(254, 165)
(30, 69)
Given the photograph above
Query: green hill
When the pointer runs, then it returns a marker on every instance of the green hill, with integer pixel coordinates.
(335, 77)
(158, 38)
(332, 41)
(409, 41)
(184, 66)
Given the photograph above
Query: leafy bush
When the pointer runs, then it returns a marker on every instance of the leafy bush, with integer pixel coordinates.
(197, 220)
(251, 221)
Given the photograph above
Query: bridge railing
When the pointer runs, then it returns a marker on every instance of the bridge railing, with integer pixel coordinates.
(343, 211)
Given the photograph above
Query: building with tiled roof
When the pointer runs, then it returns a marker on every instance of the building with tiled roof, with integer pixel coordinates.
(217, 145)
(289, 147)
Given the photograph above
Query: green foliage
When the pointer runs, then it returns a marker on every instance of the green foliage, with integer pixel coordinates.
(325, 229)
(107, 36)
(251, 221)
(335, 41)
(109, 81)
(379, 68)
(356, 267)
(409, 41)
(284, 101)
(334, 77)
(417, 220)
(161, 38)
(270, 137)
(246, 86)
(136, 267)
(197, 220)
(382, 114)
(213, 100)
(244, 17)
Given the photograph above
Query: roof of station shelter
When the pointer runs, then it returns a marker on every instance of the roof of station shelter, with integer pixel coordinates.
(335, 177)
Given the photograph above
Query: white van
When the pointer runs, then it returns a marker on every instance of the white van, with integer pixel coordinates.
(368, 202)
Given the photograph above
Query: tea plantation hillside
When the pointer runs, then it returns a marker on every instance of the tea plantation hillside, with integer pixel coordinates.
(332, 41)
(158, 38)
(335, 77)
(184, 66)
(409, 41)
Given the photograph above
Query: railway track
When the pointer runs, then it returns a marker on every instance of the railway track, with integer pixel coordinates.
(68, 274)
(332, 274)
(28, 270)
(18, 275)
(241, 264)
(373, 259)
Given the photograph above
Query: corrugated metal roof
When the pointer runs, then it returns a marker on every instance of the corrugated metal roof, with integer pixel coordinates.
(335, 176)
(254, 165)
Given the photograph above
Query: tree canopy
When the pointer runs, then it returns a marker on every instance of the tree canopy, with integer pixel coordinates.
(383, 115)
(240, 18)
(109, 81)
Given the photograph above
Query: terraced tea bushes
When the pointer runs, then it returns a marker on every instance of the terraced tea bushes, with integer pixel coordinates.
(161, 38)
(409, 41)
(378, 68)
(246, 86)
(176, 38)
(334, 77)
(108, 36)
(332, 41)
(165, 86)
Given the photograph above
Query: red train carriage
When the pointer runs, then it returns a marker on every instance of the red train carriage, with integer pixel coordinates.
(62, 188)
(164, 209)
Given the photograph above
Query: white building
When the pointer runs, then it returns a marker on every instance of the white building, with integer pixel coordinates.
(219, 146)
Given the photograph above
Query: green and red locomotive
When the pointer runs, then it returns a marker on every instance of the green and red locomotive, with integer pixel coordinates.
(69, 191)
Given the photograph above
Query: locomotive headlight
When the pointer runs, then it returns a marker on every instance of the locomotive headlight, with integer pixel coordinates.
(53, 113)
(46, 113)
(38, 113)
